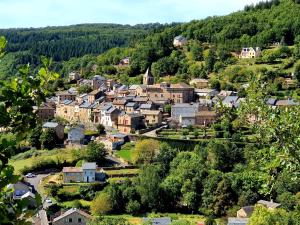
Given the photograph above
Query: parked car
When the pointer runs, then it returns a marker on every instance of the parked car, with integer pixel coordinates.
(48, 200)
(30, 175)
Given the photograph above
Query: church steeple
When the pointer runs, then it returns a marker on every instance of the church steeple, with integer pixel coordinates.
(148, 78)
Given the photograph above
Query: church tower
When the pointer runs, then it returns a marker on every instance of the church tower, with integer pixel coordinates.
(148, 78)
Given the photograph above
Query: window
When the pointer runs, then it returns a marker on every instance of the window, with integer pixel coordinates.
(79, 220)
(70, 220)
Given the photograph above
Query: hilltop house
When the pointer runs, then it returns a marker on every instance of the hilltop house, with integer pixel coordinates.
(72, 217)
(248, 53)
(74, 76)
(199, 83)
(179, 41)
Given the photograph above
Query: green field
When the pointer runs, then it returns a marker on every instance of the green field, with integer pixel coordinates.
(126, 151)
(28, 158)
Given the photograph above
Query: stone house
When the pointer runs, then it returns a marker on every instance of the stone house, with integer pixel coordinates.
(245, 212)
(206, 93)
(205, 118)
(120, 103)
(130, 107)
(59, 129)
(109, 115)
(76, 136)
(179, 41)
(65, 95)
(95, 94)
(152, 117)
(199, 83)
(72, 217)
(176, 93)
(88, 173)
(128, 123)
(45, 112)
(74, 76)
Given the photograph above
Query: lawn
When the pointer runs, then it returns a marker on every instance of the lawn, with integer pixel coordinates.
(26, 160)
(126, 151)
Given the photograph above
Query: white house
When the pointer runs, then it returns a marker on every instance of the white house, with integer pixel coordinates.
(179, 41)
(248, 53)
(89, 172)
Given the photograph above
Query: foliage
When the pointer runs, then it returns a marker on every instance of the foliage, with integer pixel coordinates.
(49, 139)
(145, 151)
(84, 89)
(101, 204)
(17, 98)
(94, 152)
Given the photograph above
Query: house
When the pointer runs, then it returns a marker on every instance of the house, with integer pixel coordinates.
(95, 94)
(185, 113)
(74, 76)
(248, 53)
(88, 173)
(120, 103)
(205, 93)
(148, 78)
(206, 117)
(199, 83)
(76, 135)
(176, 93)
(109, 115)
(72, 217)
(268, 204)
(128, 123)
(115, 141)
(230, 101)
(59, 129)
(124, 62)
(65, 95)
(45, 112)
(179, 41)
(147, 106)
(237, 221)
(95, 83)
(20, 189)
(158, 221)
(152, 117)
(245, 212)
(130, 107)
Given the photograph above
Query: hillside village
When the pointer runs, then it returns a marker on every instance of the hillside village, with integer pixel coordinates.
(186, 124)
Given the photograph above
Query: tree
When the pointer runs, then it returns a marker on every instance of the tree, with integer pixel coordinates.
(263, 216)
(297, 72)
(148, 186)
(84, 89)
(145, 151)
(133, 207)
(109, 221)
(95, 152)
(48, 139)
(196, 51)
(34, 137)
(17, 98)
(101, 129)
(210, 60)
(101, 204)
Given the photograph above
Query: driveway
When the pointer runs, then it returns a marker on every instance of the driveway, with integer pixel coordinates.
(152, 133)
(35, 181)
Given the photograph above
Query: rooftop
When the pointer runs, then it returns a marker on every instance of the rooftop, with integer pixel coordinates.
(72, 170)
(50, 125)
(70, 211)
(89, 166)
(268, 204)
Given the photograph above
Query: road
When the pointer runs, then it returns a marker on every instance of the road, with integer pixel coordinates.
(152, 133)
(35, 181)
